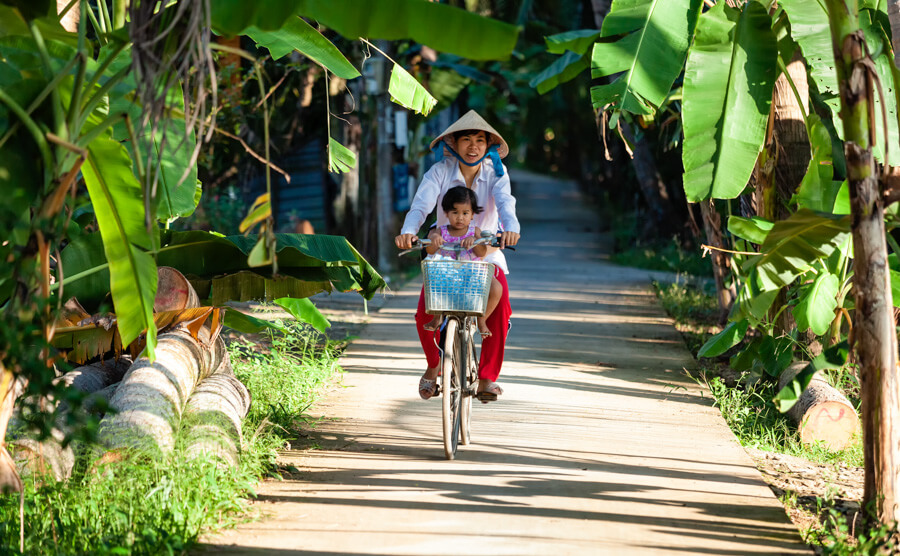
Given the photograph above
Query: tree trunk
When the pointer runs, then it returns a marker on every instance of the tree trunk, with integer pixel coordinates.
(876, 339)
(823, 413)
(721, 261)
(69, 21)
(151, 397)
(213, 416)
(601, 8)
(893, 10)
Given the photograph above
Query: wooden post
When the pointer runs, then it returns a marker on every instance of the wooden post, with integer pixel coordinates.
(876, 339)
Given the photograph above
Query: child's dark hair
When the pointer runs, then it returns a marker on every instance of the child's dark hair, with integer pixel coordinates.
(460, 194)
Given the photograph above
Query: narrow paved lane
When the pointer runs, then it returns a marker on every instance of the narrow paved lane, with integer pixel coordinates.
(600, 445)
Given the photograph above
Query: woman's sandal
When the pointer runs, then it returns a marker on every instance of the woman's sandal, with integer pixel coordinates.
(427, 386)
(489, 393)
(434, 324)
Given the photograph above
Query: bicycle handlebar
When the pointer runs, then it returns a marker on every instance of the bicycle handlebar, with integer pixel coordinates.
(486, 238)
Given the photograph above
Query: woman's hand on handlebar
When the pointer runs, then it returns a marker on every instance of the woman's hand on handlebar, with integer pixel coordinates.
(405, 241)
(508, 239)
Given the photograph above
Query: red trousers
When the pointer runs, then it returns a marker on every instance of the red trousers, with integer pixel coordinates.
(492, 347)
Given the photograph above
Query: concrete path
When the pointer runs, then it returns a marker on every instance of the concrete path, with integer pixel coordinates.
(600, 445)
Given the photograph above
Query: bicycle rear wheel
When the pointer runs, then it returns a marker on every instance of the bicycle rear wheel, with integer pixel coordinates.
(451, 382)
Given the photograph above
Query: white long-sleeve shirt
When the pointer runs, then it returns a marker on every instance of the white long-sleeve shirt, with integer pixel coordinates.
(493, 193)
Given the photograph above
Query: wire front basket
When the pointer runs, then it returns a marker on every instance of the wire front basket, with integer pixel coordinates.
(457, 286)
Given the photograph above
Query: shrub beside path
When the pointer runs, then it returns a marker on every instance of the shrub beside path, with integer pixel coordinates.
(600, 445)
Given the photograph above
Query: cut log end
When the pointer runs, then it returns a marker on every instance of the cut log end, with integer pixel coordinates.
(833, 423)
(174, 292)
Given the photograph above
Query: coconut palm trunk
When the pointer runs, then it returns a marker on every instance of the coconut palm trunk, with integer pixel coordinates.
(876, 339)
(150, 400)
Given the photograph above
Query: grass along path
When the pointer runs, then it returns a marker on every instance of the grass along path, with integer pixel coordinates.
(821, 490)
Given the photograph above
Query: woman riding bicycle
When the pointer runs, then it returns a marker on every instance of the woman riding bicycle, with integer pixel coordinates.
(475, 149)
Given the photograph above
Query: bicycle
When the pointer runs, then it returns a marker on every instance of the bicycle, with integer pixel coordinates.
(457, 290)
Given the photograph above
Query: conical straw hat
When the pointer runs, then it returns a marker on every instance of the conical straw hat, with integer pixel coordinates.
(471, 120)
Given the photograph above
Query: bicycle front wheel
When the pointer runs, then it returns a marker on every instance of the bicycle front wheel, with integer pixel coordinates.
(451, 386)
(469, 372)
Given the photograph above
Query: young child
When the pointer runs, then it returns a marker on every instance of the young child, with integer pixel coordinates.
(460, 205)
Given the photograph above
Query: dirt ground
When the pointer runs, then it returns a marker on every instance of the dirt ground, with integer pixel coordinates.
(805, 485)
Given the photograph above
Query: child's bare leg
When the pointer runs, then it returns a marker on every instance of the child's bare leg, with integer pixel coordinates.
(434, 323)
(493, 300)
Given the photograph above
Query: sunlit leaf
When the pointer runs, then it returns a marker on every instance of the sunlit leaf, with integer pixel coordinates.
(117, 198)
(815, 309)
(795, 244)
(305, 311)
(249, 324)
(259, 211)
(409, 93)
(724, 340)
(754, 229)
(340, 158)
(818, 190)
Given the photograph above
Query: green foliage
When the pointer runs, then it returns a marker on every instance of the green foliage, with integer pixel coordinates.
(668, 255)
(117, 200)
(340, 158)
(304, 311)
(729, 337)
(316, 263)
(728, 83)
(647, 40)
(297, 34)
(794, 245)
(836, 536)
(283, 372)
(757, 423)
(440, 26)
(407, 92)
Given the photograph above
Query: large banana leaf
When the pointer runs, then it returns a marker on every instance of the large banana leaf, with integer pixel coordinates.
(794, 245)
(440, 26)
(818, 191)
(728, 85)
(308, 264)
(815, 309)
(117, 199)
(297, 34)
(810, 30)
(650, 53)
(178, 189)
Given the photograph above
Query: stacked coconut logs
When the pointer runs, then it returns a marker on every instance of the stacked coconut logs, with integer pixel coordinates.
(822, 413)
(98, 381)
(191, 378)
